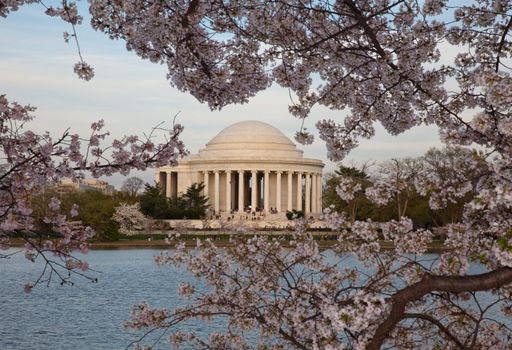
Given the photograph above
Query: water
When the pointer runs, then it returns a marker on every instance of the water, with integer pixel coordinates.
(86, 315)
(90, 315)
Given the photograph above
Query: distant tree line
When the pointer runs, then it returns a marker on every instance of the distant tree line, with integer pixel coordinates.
(435, 166)
(364, 184)
(96, 209)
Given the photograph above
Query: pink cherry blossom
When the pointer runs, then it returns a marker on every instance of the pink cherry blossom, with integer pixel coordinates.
(383, 64)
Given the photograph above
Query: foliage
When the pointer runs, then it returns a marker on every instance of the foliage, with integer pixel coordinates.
(190, 205)
(153, 202)
(354, 173)
(349, 187)
(193, 199)
(398, 176)
(111, 231)
(393, 190)
(460, 185)
(93, 208)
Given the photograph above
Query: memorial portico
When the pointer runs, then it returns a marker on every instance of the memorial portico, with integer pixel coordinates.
(249, 166)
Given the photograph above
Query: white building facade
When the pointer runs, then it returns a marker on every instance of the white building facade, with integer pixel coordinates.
(249, 166)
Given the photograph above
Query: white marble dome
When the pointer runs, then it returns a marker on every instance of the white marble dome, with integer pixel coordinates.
(249, 166)
(249, 140)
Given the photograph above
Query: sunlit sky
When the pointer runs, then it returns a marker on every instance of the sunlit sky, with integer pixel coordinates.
(132, 95)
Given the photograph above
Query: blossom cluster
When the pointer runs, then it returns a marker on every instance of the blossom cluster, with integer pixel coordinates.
(145, 316)
(129, 218)
(32, 162)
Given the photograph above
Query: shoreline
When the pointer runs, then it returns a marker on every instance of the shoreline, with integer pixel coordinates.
(434, 247)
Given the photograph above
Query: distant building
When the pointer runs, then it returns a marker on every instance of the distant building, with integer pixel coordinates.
(250, 166)
(86, 185)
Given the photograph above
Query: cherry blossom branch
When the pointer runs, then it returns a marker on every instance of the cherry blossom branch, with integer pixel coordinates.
(453, 284)
(439, 325)
(502, 43)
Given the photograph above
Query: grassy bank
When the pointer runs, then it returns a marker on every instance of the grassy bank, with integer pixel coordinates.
(157, 241)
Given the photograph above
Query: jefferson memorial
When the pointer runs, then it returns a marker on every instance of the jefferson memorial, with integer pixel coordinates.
(249, 166)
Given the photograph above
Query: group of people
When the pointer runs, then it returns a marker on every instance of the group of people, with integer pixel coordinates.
(257, 214)
(272, 210)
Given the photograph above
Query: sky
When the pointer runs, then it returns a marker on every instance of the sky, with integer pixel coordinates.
(133, 95)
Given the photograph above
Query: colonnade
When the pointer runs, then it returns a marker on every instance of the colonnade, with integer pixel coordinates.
(263, 190)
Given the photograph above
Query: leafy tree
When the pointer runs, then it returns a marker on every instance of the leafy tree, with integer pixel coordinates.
(153, 202)
(394, 184)
(352, 182)
(40, 210)
(193, 199)
(110, 231)
(95, 209)
(329, 196)
(392, 192)
(190, 205)
(438, 172)
(354, 173)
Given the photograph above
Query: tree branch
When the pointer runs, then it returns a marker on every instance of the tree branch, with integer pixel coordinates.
(502, 42)
(429, 283)
(439, 325)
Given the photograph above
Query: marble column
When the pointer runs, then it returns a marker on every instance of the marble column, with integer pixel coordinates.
(319, 195)
(254, 185)
(278, 191)
(168, 185)
(307, 200)
(217, 191)
(228, 191)
(266, 195)
(241, 191)
(314, 197)
(299, 191)
(290, 191)
(206, 186)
